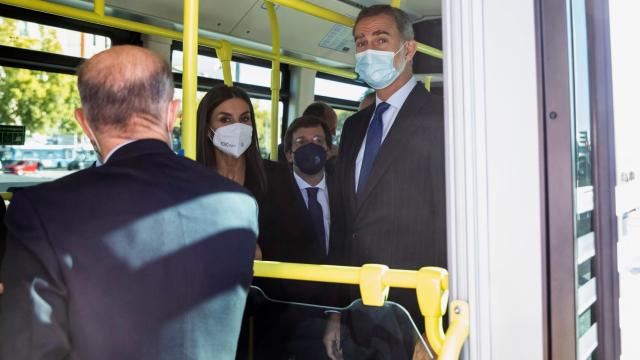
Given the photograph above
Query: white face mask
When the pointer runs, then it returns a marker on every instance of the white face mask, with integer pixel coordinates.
(232, 139)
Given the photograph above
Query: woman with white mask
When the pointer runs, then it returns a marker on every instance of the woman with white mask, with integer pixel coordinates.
(227, 142)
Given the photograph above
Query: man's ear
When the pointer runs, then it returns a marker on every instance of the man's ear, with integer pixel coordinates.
(410, 49)
(289, 156)
(174, 107)
(84, 124)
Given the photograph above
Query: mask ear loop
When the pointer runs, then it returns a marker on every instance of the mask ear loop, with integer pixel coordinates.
(404, 57)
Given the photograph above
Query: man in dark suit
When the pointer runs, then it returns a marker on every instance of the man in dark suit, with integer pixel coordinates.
(306, 143)
(390, 199)
(285, 330)
(147, 256)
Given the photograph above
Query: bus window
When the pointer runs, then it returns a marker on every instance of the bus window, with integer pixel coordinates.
(338, 89)
(343, 96)
(34, 36)
(42, 101)
(262, 110)
(210, 67)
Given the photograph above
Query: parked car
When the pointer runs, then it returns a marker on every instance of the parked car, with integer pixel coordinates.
(21, 167)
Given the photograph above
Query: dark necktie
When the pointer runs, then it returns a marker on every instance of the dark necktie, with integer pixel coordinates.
(317, 218)
(372, 145)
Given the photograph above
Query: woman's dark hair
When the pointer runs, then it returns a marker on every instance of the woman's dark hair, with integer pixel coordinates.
(255, 177)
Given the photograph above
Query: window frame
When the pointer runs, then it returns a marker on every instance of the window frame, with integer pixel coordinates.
(254, 91)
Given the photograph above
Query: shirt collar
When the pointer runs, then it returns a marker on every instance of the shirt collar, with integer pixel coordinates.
(303, 184)
(106, 158)
(397, 99)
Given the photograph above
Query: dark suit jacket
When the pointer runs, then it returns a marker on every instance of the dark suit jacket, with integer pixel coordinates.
(285, 234)
(146, 257)
(400, 221)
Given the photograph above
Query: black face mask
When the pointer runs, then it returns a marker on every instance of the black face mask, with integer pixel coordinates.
(310, 158)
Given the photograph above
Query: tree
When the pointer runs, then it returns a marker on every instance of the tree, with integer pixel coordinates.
(43, 102)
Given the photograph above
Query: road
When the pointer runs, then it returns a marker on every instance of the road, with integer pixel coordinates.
(12, 180)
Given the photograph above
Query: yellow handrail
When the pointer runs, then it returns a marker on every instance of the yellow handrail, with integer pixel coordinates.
(431, 285)
(315, 10)
(190, 78)
(338, 18)
(225, 53)
(275, 80)
(395, 3)
(98, 7)
(6, 196)
(457, 332)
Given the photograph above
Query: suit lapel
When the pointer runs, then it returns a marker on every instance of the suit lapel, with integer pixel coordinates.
(406, 120)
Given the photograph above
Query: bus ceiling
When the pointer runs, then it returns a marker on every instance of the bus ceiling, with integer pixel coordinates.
(244, 23)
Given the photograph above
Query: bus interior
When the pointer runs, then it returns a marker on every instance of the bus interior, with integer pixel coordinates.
(543, 230)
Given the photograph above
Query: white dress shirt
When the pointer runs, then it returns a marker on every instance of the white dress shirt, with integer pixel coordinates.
(388, 118)
(323, 199)
(106, 158)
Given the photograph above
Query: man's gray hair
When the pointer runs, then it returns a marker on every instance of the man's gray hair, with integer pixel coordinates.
(133, 81)
(403, 23)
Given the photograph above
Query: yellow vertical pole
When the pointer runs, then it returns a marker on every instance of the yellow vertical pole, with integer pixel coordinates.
(275, 79)
(395, 3)
(98, 7)
(224, 55)
(189, 77)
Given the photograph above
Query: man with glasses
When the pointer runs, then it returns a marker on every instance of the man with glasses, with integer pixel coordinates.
(306, 144)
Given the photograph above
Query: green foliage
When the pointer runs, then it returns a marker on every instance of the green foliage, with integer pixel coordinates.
(342, 117)
(41, 101)
(263, 118)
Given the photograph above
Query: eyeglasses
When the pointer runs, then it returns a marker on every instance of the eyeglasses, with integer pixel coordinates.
(318, 140)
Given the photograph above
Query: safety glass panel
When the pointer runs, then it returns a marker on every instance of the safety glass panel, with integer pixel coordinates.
(281, 329)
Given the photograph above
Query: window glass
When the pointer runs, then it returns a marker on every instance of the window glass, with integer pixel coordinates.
(34, 36)
(339, 90)
(211, 67)
(44, 103)
(342, 116)
(262, 110)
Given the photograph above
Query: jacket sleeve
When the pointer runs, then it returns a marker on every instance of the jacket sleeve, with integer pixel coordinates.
(33, 308)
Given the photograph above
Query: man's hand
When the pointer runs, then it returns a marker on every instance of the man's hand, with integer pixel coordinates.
(331, 337)
(258, 254)
(420, 353)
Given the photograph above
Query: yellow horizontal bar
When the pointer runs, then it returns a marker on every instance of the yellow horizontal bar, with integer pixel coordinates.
(320, 12)
(401, 278)
(92, 17)
(6, 196)
(431, 51)
(308, 272)
(407, 279)
(317, 11)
